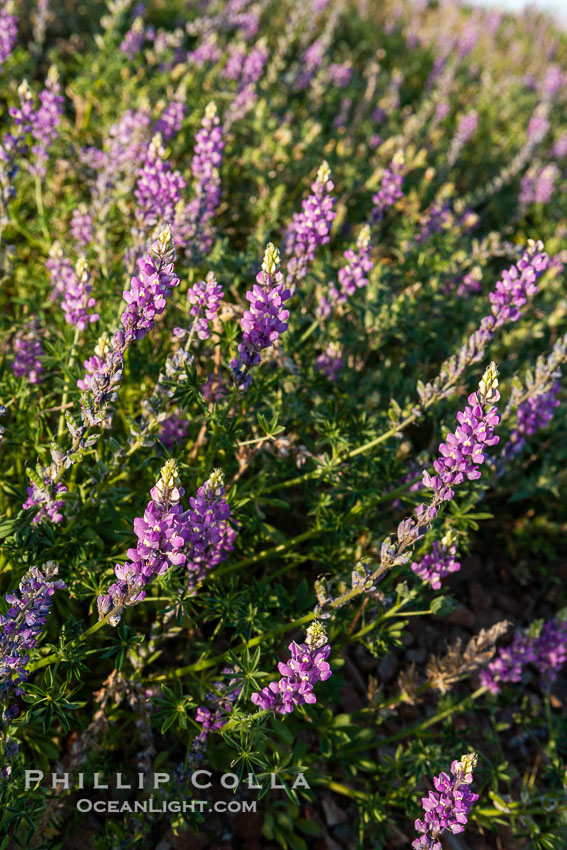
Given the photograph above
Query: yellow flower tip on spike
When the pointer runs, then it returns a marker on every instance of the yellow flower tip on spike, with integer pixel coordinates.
(399, 158)
(169, 482)
(24, 90)
(138, 25)
(535, 246)
(364, 236)
(56, 251)
(211, 110)
(324, 173)
(102, 347)
(53, 75)
(489, 382)
(316, 635)
(165, 240)
(156, 149)
(449, 538)
(216, 481)
(82, 268)
(271, 259)
(467, 764)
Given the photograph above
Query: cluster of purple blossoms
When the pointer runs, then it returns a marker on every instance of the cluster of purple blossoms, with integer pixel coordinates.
(465, 128)
(211, 536)
(266, 319)
(81, 226)
(339, 74)
(8, 31)
(158, 188)
(22, 623)
(145, 300)
(307, 666)
(532, 415)
(538, 126)
(559, 149)
(61, 274)
(437, 218)
(45, 121)
(77, 299)
(132, 42)
(207, 52)
(355, 274)
(553, 81)
(174, 431)
(544, 645)
(448, 806)
(44, 494)
(470, 283)
(331, 361)
(14, 145)
(162, 535)
(171, 120)
(438, 564)
(464, 451)
(192, 224)
(537, 185)
(205, 297)
(149, 289)
(221, 702)
(517, 283)
(311, 227)
(390, 189)
(28, 354)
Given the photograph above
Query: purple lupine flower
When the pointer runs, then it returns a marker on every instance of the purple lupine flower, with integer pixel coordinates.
(537, 185)
(28, 354)
(438, 564)
(171, 120)
(390, 189)
(560, 146)
(435, 219)
(307, 666)
(311, 227)
(553, 80)
(14, 145)
(331, 361)
(234, 62)
(45, 122)
(61, 274)
(145, 300)
(44, 494)
(205, 297)
(149, 289)
(193, 223)
(448, 806)
(162, 534)
(544, 645)
(221, 702)
(254, 63)
(81, 226)
(132, 42)
(470, 283)
(78, 300)
(532, 415)
(174, 431)
(8, 31)
(341, 119)
(158, 188)
(355, 274)
(211, 536)
(208, 52)
(339, 74)
(266, 319)
(465, 128)
(464, 451)
(22, 624)
(517, 283)
(538, 126)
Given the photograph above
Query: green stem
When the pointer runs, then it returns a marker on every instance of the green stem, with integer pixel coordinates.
(267, 553)
(67, 386)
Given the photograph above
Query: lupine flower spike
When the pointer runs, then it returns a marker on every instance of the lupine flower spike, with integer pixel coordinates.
(447, 807)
